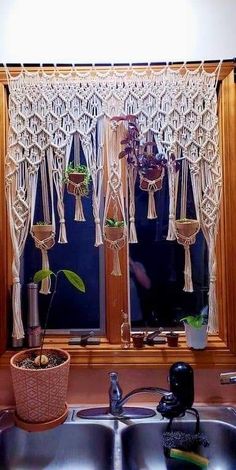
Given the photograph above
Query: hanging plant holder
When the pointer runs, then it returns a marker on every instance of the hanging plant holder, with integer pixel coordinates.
(186, 231)
(114, 235)
(77, 185)
(44, 239)
(151, 181)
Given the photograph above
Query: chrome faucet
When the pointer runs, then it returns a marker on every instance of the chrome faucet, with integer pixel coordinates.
(116, 399)
(228, 378)
(173, 403)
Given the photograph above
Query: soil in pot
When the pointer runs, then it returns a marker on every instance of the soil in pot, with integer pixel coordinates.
(27, 362)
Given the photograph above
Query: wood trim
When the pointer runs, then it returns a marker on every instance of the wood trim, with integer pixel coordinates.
(227, 245)
(216, 355)
(3, 225)
(220, 351)
(210, 67)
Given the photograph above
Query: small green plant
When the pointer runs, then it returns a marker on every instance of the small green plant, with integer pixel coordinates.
(196, 321)
(74, 279)
(72, 168)
(114, 223)
(41, 222)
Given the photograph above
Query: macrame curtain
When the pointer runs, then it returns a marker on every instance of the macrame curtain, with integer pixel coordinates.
(178, 108)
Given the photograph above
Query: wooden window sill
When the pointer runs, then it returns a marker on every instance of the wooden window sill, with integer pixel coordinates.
(215, 355)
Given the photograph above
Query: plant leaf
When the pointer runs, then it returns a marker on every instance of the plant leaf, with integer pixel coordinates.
(194, 321)
(74, 279)
(42, 274)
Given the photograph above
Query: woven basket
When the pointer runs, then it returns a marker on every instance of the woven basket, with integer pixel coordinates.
(40, 394)
(151, 174)
(186, 229)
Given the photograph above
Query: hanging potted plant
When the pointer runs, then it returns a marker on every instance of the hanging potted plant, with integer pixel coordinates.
(77, 179)
(43, 232)
(151, 166)
(186, 230)
(196, 329)
(40, 376)
(114, 229)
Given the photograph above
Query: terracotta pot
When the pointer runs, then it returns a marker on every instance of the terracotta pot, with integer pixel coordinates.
(186, 228)
(172, 339)
(40, 394)
(42, 232)
(138, 340)
(76, 178)
(114, 233)
(152, 174)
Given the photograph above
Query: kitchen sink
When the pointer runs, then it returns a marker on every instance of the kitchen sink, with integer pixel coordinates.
(142, 446)
(66, 447)
(118, 444)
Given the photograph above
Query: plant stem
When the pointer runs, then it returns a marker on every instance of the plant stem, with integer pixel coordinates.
(47, 316)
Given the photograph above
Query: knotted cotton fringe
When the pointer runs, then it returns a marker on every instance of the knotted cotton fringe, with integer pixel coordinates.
(188, 284)
(62, 232)
(79, 212)
(212, 315)
(46, 283)
(116, 271)
(151, 205)
(98, 232)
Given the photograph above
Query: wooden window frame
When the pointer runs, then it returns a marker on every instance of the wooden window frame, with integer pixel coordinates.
(221, 348)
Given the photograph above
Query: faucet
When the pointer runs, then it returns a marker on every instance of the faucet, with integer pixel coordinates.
(228, 378)
(173, 402)
(116, 399)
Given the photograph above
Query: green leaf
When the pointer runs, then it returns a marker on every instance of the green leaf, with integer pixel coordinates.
(42, 274)
(74, 279)
(194, 321)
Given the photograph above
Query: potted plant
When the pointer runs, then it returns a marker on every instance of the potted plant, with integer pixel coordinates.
(43, 231)
(77, 178)
(186, 229)
(172, 338)
(196, 329)
(40, 376)
(114, 229)
(151, 166)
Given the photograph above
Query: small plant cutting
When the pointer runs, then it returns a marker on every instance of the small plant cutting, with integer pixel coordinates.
(77, 179)
(40, 376)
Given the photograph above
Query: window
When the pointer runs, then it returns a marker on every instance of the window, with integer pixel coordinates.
(116, 290)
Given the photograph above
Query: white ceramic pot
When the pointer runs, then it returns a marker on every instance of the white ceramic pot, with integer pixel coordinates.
(196, 337)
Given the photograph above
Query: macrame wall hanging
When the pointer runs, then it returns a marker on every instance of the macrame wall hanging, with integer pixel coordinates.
(175, 109)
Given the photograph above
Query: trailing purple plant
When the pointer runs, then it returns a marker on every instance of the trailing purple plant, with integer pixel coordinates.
(143, 155)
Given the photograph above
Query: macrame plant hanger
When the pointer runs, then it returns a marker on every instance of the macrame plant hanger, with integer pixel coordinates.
(186, 229)
(114, 202)
(75, 184)
(44, 233)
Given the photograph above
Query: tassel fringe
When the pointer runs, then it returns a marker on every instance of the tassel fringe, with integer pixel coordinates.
(151, 205)
(79, 213)
(116, 264)
(62, 233)
(188, 284)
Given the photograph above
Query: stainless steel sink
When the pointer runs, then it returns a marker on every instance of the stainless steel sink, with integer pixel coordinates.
(69, 446)
(117, 444)
(142, 447)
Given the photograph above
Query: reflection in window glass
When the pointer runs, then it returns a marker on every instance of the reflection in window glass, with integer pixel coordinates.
(157, 269)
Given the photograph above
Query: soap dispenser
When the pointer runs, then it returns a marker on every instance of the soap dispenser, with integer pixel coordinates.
(182, 383)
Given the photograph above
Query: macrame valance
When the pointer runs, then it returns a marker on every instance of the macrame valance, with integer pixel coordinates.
(175, 108)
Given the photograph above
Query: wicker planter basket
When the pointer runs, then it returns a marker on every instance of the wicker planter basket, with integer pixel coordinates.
(40, 394)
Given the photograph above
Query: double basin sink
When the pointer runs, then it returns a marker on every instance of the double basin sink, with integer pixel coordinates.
(117, 444)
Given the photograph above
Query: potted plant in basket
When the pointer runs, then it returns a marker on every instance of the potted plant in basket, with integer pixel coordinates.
(43, 231)
(196, 329)
(77, 176)
(114, 229)
(40, 376)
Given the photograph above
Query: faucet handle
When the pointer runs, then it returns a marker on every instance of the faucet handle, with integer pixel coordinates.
(113, 376)
(227, 378)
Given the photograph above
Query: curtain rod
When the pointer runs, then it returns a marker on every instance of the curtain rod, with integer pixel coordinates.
(117, 64)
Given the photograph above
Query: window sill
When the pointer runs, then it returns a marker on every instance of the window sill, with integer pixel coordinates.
(215, 355)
